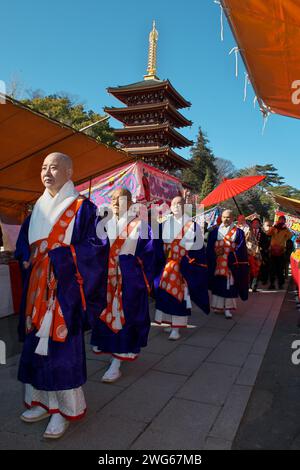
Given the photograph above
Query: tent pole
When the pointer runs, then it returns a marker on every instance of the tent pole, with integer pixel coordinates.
(240, 212)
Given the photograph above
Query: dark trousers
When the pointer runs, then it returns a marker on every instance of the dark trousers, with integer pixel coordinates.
(277, 268)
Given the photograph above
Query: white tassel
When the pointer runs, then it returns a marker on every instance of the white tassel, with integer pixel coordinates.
(254, 101)
(44, 332)
(247, 81)
(265, 117)
(221, 18)
(265, 110)
(235, 50)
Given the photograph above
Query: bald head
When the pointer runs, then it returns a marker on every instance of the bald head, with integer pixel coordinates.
(177, 206)
(121, 201)
(57, 169)
(227, 217)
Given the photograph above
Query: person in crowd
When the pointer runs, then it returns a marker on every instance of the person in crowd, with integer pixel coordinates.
(280, 234)
(123, 326)
(227, 265)
(181, 270)
(65, 267)
(265, 242)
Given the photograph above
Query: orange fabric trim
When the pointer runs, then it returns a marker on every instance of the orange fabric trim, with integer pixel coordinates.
(144, 275)
(114, 283)
(193, 261)
(222, 249)
(78, 277)
(41, 294)
(172, 280)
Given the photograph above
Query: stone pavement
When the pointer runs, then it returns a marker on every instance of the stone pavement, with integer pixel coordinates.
(187, 394)
(272, 417)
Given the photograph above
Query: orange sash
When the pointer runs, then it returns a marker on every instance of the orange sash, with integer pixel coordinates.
(222, 250)
(41, 294)
(113, 315)
(172, 280)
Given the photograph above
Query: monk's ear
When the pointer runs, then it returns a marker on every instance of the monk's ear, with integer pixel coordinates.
(69, 173)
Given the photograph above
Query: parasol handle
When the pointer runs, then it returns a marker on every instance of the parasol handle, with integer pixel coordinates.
(237, 205)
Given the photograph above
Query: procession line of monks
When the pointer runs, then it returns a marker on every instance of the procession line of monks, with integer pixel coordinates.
(82, 271)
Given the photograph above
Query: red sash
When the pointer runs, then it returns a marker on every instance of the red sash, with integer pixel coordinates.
(222, 250)
(113, 314)
(172, 280)
(42, 284)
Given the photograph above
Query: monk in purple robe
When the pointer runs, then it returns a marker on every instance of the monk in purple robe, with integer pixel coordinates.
(181, 270)
(65, 275)
(123, 326)
(228, 265)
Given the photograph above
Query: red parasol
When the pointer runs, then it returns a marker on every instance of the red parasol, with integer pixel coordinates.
(229, 188)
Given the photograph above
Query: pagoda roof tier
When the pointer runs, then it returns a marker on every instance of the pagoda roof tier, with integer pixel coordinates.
(165, 154)
(178, 139)
(176, 116)
(122, 92)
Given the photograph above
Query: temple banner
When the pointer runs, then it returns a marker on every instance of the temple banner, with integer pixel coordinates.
(146, 183)
(292, 222)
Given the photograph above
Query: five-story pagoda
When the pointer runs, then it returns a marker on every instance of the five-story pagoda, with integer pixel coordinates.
(151, 117)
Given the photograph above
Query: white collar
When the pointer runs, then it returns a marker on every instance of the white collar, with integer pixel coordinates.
(48, 209)
(223, 231)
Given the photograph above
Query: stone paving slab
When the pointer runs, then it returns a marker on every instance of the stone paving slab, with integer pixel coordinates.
(250, 369)
(206, 337)
(211, 383)
(131, 371)
(233, 353)
(227, 423)
(147, 396)
(183, 360)
(102, 432)
(193, 419)
(214, 443)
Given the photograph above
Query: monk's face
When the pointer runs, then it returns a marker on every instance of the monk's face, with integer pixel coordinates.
(177, 205)
(120, 204)
(55, 173)
(227, 218)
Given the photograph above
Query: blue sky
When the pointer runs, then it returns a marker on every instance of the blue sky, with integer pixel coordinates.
(82, 47)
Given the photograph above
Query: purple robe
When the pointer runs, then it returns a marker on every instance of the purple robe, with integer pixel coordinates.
(134, 334)
(238, 265)
(65, 366)
(194, 275)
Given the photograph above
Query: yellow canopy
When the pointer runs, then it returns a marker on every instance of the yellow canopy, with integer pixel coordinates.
(288, 203)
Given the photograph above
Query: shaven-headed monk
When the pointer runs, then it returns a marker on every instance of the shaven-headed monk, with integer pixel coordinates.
(123, 326)
(181, 270)
(65, 267)
(227, 265)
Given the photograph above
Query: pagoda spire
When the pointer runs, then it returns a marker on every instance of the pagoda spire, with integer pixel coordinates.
(151, 69)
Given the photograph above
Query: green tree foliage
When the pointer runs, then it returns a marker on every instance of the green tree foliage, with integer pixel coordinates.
(64, 109)
(272, 176)
(202, 161)
(208, 184)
